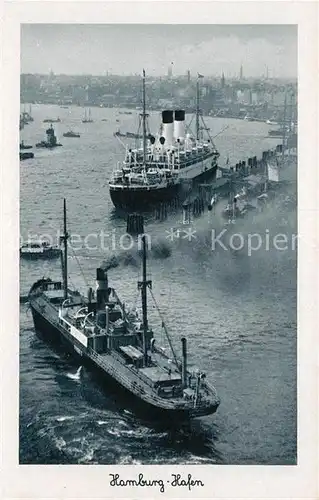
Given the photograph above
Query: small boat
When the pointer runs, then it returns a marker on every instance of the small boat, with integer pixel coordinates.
(39, 250)
(25, 146)
(51, 141)
(130, 135)
(87, 117)
(27, 116)
(24, 119)
(276, 133)
(26, 155)
(104, 119)
(52, 120)
(71, 134)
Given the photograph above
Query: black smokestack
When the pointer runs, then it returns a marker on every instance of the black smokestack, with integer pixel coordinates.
(102, 295)
(179, 125)
(179, 115)
(167, 116)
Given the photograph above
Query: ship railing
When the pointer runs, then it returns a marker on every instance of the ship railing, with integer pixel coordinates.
(210, 387)
(139, 375)
(132, 369)
(111, 368)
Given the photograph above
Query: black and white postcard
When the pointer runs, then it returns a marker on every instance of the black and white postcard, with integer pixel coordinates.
(159, 250)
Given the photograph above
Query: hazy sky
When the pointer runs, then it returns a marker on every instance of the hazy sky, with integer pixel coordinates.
(126, 49)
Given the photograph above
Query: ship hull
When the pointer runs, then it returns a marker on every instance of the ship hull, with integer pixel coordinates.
(138, 198)
(54, 335)
(198, 171)
(53, 254)
(26, 156)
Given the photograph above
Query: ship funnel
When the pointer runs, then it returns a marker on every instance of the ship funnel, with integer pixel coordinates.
(102, 295)
(184, 363)
(168, 127)
(179, 124)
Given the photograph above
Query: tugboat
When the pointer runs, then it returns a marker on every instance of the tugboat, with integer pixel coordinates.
(25, 146)
(52, 120)
(155, 172)
(26, 155)
(71, 134)
(120, 345)
(51, 141)
(39, 250)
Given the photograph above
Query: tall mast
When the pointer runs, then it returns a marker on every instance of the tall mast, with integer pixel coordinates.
(284, 127)
(291, 130)
(64, 238)
(197, 108)
(142, 285)
(144, 121)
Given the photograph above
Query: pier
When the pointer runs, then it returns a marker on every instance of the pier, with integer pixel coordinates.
(250, 174)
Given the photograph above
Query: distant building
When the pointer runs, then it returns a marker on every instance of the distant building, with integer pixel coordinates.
(254, 98)
(170, 71)
(222, 81)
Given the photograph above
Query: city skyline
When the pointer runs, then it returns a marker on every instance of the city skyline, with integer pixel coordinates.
(125, 49)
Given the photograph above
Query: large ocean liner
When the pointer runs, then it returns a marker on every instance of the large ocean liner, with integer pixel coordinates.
(120, 345)
(155, 171)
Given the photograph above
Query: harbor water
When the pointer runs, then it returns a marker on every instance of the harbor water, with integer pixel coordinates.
(238, 311)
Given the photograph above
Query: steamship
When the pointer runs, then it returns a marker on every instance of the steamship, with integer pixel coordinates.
(51, 141)
(155, 172)
(120, 344)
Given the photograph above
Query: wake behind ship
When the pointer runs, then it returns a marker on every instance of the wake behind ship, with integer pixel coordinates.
(155, 172)
(120, 344)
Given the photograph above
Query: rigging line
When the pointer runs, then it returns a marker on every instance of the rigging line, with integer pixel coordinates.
(166, 332)
(221, 131)
(188, 126)
(70, 279)
(84, 278)
(207, 130)
(120, 141)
